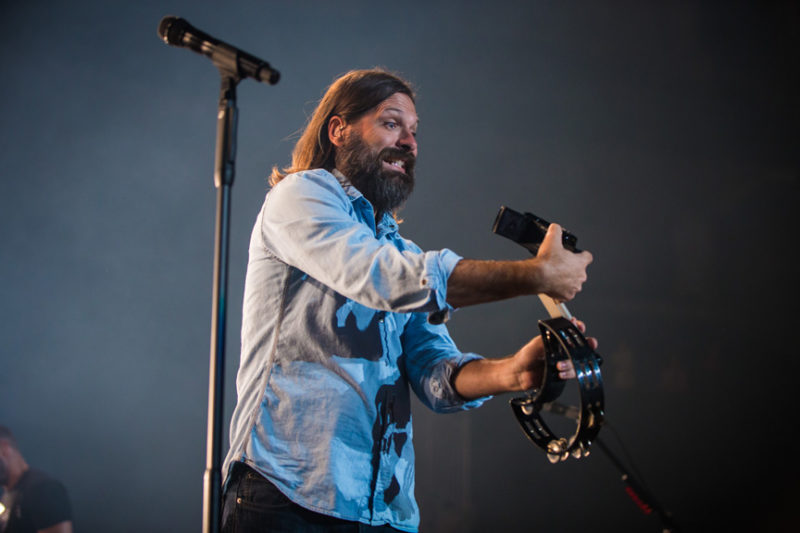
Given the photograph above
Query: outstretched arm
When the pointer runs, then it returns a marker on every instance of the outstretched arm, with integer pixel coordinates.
(519, 372)
(554, 271)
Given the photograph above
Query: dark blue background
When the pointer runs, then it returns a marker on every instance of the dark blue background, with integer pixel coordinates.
(663, 134)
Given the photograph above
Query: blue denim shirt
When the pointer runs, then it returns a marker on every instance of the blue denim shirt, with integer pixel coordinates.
(335, 329)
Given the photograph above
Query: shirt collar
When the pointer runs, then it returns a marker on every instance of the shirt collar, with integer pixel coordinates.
(348, 187)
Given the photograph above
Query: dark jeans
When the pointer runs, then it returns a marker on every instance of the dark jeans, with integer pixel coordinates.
(251, 504)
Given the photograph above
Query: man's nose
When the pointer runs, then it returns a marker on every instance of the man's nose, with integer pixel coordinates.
(407, 141)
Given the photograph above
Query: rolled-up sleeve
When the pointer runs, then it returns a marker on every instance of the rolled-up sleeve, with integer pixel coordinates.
(441, 265)
(309, 222)
(431, 360)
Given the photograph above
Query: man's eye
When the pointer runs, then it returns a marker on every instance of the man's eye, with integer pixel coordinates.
(389, 124)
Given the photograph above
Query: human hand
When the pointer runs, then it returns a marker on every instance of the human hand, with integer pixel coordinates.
(562, 272)
(530, 361)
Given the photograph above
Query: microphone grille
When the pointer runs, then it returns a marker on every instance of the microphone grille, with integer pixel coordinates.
(171, 29)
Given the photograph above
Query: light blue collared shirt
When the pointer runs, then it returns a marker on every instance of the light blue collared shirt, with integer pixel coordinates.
(335, 329)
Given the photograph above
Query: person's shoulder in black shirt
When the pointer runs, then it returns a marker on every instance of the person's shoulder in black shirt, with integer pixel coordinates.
(33, 501)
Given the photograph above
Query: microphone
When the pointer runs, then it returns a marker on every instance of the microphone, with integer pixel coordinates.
(178, 32)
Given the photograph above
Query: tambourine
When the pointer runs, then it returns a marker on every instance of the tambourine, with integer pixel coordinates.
(562, 341)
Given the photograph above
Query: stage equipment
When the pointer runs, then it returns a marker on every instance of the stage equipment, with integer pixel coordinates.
(233, 65)
(178, 32)
(635, 487)
(562, 341)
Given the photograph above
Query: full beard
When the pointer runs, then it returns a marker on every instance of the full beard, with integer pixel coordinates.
(387, 190)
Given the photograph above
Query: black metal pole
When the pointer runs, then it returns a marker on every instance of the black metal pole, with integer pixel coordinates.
(224, 172)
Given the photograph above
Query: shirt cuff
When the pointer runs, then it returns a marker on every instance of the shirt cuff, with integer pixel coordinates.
(445, 396)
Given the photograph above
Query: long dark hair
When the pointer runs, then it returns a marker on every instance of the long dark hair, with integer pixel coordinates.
(349, 97)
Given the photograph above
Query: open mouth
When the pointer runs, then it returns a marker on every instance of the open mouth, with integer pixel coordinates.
(396, 161)
(395, 164)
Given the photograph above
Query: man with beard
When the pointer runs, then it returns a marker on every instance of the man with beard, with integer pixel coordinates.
(32, 501)
(342, 315)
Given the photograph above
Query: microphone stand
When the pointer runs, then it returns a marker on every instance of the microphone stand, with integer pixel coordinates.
(233, 65)
(642, 497)
(634, 488)
(224, 171)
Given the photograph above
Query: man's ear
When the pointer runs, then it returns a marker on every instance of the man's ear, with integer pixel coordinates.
(336, 130)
